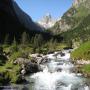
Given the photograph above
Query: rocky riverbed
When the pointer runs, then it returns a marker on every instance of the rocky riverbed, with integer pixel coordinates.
(51, 69)
(58, 74)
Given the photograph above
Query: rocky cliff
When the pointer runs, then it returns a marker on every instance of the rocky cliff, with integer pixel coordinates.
(47, 21)
(77, 3)
(80, 30)
(73, 17)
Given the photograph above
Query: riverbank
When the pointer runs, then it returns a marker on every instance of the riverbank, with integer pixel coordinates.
(56, 65)
(83, 67)
(81, 59)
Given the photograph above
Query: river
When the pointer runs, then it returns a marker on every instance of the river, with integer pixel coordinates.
(57, 74)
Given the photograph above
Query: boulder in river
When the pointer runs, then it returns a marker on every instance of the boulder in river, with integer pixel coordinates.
(27, 66)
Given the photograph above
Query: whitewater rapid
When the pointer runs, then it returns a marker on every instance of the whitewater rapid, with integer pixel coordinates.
(58, 75)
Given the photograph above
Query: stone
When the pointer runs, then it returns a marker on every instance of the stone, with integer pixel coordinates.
(23, 71)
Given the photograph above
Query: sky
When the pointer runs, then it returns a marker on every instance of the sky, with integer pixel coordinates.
(38, 8)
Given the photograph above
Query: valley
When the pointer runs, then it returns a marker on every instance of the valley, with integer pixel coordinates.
(49, 54)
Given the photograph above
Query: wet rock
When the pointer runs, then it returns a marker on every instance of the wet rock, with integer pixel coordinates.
(82, 62)
(87, 75)
(23, 71)
(27, 66)
(39, 58)
(44, 60)
(34, 60)
(34, 55)
(21, 61)
(31, 68)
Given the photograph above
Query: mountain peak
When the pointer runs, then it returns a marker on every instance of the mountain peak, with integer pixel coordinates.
(48, 15)
(78, 2)
(47, 18)
(47, 21)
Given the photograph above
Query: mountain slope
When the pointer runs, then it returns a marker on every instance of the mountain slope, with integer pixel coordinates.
(81, 32)
(73, 17)
(13, 22)
(74, 25)
(24, 18)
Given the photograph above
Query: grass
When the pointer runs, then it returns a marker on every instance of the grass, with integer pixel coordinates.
(10, 73)
(83, 52)
(60, 46)
(86, 68)
(15, 55)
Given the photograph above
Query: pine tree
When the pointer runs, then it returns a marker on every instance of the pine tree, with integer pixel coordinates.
(52, 45)
(38, 41)
(25, 39)
(14, 45)
(6, 41)
(1, 50)
(14, 41)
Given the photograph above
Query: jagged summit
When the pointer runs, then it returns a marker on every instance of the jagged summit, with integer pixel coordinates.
(47, 21)
(78, 2)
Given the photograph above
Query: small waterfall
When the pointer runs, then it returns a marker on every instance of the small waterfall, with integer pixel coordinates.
(58, 75)
(86, 88)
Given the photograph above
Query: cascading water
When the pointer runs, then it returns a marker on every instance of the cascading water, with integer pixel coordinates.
(58, 75)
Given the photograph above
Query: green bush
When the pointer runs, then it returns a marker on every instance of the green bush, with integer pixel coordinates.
(15, 55)
(10, 73)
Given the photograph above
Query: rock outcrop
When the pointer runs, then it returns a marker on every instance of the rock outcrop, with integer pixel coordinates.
(47, 21)
(76, 3)
(73, 17)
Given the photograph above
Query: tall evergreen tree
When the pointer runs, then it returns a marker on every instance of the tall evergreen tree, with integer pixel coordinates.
(52, 44)
(14, 45)
(25, 38)
(38, 41)
(6, 39)
(14, 41)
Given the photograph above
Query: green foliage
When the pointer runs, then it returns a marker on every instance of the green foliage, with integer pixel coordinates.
(38, 42)
(81, 32)
(86, 68)
(14, 74)
(1, 50)
(51, 45)
(78, 19)
(6, 41)
(60, 46)
(83, 52)
(13, 48)
(10, 72)
(14, 41)
(15, 55)
(3, 59)
(25, 38)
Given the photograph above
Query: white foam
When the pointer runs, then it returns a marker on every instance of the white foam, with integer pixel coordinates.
(52, 79)
(86, 88)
